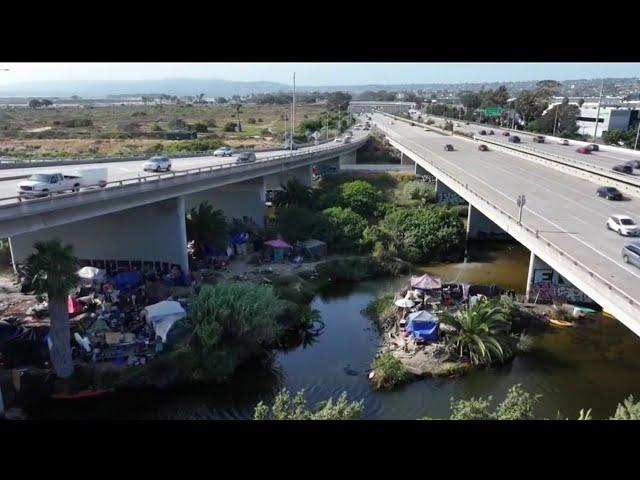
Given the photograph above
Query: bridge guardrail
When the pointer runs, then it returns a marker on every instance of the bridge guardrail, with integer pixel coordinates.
(570, 162)
(8, 202)
(535, 233)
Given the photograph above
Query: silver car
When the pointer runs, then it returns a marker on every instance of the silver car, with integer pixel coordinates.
(157, 164)
(631, 254)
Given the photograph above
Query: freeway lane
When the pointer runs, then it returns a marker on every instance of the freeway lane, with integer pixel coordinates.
(133, 169)
(600, 158)
(562, 207)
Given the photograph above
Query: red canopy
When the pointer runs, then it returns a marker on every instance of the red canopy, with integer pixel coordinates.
(425, 282)
(278, 244)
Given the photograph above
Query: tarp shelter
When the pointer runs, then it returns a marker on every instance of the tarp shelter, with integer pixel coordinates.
(125, 281)
(279, 247)
(313, 248)
(161, 316)
(91, 274)
(425, 282)
(423, 325)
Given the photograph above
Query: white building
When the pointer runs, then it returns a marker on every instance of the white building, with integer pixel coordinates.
(387, 107)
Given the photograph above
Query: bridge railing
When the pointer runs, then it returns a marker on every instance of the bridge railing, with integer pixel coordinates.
(12, 201)
(625, 178)
(534, 233)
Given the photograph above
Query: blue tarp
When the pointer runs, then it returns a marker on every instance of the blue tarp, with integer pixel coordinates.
(127, 280)
(422, 325)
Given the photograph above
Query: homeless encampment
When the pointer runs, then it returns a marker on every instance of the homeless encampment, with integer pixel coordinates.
(422, 325)
(163, 315)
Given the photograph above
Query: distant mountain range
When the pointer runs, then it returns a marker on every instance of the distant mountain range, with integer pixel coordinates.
(227, 88)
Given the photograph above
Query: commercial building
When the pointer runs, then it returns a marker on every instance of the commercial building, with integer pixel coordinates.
(387, 107)
(609, 119)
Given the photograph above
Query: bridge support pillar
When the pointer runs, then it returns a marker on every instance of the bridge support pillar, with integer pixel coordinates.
(348, 158)
(544, 285)
(479, 226)
(419, 170)
(150, 233)
(303, 174)
(238, 200)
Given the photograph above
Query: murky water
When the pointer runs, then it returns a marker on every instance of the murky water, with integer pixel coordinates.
(593, 366)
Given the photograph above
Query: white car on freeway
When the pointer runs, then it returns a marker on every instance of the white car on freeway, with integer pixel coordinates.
(223, 152)
(157, 164)
(43, 184)
(624, 225)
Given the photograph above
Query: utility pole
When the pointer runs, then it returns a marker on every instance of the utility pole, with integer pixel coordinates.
(520, 202)
(637, 135)
(555, 121)
(293, 112)
(595, 132)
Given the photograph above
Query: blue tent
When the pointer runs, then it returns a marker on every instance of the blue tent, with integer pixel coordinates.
(127, 280)
(423, 325)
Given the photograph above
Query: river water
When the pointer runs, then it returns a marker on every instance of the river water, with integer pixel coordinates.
(595, 365)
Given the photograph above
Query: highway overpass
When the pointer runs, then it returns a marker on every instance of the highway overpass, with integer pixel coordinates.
(140, 216)
(563, 222)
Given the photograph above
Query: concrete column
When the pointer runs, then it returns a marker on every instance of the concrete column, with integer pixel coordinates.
(348, 158)
(303, 174)
(150, 233)
(419, 170)
(243, 199)
(479, 226)
(532, 261)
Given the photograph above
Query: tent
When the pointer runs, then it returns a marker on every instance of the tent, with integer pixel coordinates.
(91, 274)
(279, 247)
(423, 325)
(425, 282)
(161, 316)
(313, 248)
(127, 280)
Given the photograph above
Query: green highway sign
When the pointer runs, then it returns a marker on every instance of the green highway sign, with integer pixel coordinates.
(493, 111)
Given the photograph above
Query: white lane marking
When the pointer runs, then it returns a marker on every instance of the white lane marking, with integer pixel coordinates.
(562, 230)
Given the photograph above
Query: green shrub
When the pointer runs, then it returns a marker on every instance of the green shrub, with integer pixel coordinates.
(474, 409)
(361, 197)
(347, 229)
(421, 191)
(251, 121)
(230, 126)
(286, 408)
(5, 254)
(200, 128)
(156, 128)
(517, 405)
(297, 224)
(380, 308)
(389, 372)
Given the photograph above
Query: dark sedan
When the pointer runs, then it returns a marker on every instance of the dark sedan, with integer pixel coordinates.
(483, 148)
(514, 139)
(623, 169)
(448, 147)
(610, 193)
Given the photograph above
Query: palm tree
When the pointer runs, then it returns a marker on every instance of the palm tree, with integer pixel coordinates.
(52, 270)
(479, 332)
(206, 225)
(293, 194)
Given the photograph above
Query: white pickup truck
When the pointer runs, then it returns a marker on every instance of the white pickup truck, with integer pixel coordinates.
(44, 184)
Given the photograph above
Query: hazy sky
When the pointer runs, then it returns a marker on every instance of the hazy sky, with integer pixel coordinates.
(317, 73)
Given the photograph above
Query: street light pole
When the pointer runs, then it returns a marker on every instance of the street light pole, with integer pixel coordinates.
(555, 121)
(595, 132)
(637, 135)
(520, 202)
(293, 113)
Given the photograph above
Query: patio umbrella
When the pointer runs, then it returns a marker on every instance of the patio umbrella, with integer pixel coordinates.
(404, 303)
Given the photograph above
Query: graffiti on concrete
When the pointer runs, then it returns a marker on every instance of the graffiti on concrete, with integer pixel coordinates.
(451, 198)
(549, 285)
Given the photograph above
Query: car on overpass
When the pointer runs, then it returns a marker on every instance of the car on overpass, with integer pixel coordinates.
(631, 254)
(483, 148)
(448, 147)
(623, 225)
(593, 147)
(157, 164)
(491, 132)
(634, 163)
(223, 152)
(623, 169)
(563, 141)
(514, 139)
(505, 134)
(246, 157)
(290, 146)
(538, 139)
(584, 150)
(482, 132)
(610, 193)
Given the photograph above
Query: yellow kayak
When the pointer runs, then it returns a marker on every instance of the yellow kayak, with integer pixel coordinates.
(607, 314)
(560, 323)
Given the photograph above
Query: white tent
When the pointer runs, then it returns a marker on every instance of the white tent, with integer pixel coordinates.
(161, 316)
(91, 274)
